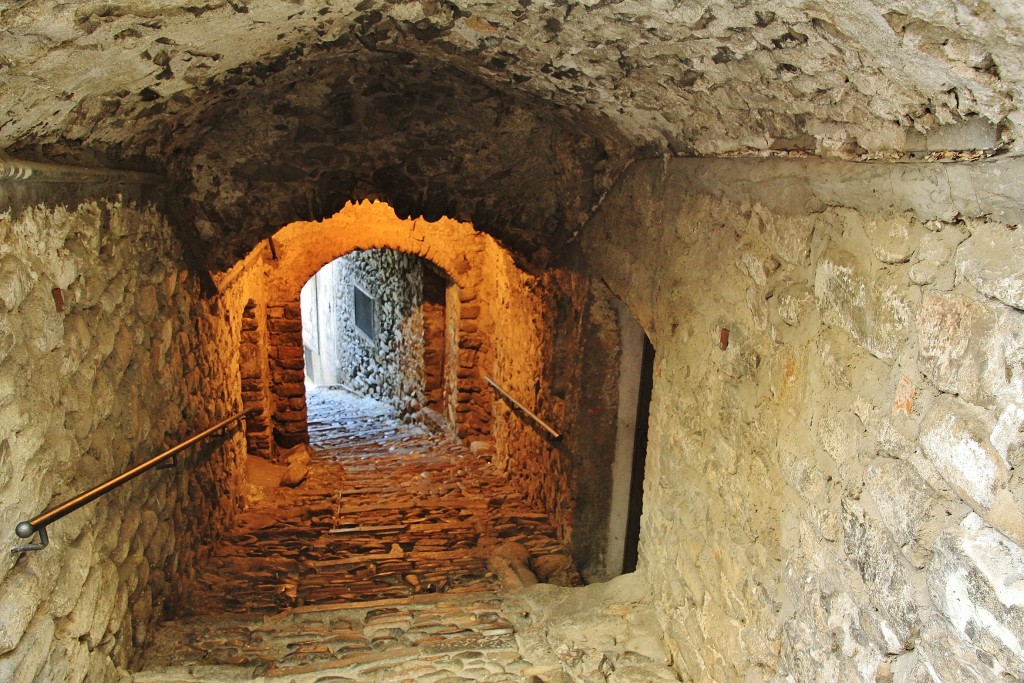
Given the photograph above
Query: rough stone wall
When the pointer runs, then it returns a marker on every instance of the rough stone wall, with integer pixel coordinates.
(472, 405)
(242, 303)
(435, 289)
(287, 386)
(833, 488)
(246, 94)
(593, 400)
(389, 367)
(107, 356)
(556, 352)
(255, 379)
(452, 307)
(527, 365)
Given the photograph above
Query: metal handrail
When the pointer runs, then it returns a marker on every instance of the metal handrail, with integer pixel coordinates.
(40, 522)
(12, 169)
(548, 428)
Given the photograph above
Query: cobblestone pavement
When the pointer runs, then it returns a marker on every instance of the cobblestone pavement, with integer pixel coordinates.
(375, 568)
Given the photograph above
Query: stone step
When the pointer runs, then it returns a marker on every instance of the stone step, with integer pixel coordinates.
(374, 568)
(418, 515)
(461, 636)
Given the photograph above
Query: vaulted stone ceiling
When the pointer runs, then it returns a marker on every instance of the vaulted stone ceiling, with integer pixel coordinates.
(516, 115)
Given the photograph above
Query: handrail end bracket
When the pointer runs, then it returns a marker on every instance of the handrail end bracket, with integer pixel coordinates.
(25, 530)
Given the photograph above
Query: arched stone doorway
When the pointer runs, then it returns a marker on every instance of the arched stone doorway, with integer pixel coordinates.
(476, 266)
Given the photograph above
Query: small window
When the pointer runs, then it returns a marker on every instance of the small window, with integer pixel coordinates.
(363, 305)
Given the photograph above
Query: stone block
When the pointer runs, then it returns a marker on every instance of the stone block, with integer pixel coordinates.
(954, 344)
(40, 316)
(825, 640)
(876, 316)
(912, 512)
(943, 656)
(75, 569)
(880, 564)
(291, 428)
(290, 390)
(839, 433)
(90, 615)
(146, 301)
(758, 265)
(15, 282)
(973, 133)
(252, 389)
(7, 338)
(792, 302)
(130, 520)
(292, 310)
(788, 238)
(470, 340)
(298, 459)
(21, 597)
(141, 616)
(290, 364)
(25, 663)
(279, 326)
(68, 662)
(117, 614)
(1008, 435)
(288, 352)
(933, 263)
(893, 238)
(955, 437)
(284, 376)
(258, 441)
(802, 473)
(991, 261)
(977, 583)
(286, 338)
(251, 365)
(481, 448)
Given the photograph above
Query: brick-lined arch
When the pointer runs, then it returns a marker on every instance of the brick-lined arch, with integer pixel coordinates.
(299, 250)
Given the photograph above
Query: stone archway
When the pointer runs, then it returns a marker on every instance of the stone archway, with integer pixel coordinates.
(467, 257)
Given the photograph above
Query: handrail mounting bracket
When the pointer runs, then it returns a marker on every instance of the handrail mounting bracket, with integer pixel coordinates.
(25, 530)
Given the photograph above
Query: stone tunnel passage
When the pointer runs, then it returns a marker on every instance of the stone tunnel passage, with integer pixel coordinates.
(813, 210)
(807, 498)
(388, 515)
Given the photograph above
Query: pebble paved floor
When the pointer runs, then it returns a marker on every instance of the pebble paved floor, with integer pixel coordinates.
(373, 569)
